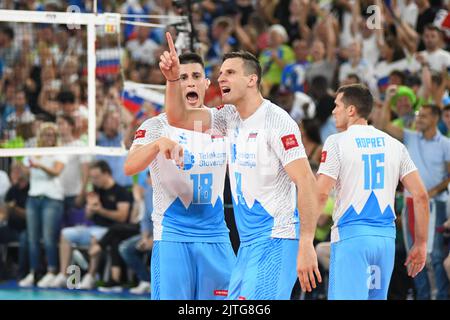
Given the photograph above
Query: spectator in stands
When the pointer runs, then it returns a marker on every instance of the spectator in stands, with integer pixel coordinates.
(142, 48)
(74, 177)
(44, 207)
(8, 52)
(446, 119)
(111, 136)
(13, 216)
(20, 115)
(356, 65)
(115, 235)
(107, 205)
(294, 75)
(323, 59)
(275, 57)
(430, 151)
(298, 104)
(309, 129)
(403, 103)
(222, 41)
(434, 55)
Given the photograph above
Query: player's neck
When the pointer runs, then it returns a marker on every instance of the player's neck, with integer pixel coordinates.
(357, 121)
(248, 104)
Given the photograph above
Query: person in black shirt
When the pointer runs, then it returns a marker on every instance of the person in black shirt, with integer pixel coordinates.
(107, 205)
(13, 226)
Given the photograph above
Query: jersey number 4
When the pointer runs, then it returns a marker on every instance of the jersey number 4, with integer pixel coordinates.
(373, 171)
(202, 188)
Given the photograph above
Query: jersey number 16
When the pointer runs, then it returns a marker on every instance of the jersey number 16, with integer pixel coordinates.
(373, 171)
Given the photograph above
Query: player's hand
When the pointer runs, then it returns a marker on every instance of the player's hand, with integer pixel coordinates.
(171, 150)
(307, 267)
(169, 62)
(416, 259)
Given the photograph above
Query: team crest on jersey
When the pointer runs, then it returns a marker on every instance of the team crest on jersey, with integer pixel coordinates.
(139, 134)
(289, 141)
(188, 160)
(323, 157)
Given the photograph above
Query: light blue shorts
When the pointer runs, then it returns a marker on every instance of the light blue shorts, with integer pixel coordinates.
(265, 270)
(191, 270)
(361, 268)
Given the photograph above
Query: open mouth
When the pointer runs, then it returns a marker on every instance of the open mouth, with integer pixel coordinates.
(192, 97)
(225, 90)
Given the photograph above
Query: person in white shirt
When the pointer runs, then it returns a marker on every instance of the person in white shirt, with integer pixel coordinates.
(142, 48)
(44, 207)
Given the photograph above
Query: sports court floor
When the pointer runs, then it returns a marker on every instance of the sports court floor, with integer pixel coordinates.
(10, 291)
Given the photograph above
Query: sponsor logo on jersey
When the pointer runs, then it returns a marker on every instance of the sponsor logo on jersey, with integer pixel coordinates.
(188, 160)
(289, 141)
(140, 134)
(323, 157)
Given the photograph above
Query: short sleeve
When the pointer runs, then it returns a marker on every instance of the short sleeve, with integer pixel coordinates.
(330, 163)
(149, 131)
(285, 139)
(220, 118)
(406, 164)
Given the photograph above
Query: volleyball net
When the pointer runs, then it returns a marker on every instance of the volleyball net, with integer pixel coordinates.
(99, 69)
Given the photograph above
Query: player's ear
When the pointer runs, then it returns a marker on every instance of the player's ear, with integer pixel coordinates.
(253, 80)
(208, 83)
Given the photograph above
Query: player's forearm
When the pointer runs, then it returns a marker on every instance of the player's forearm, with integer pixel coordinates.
(421, 218)
(139, 159)
(174, 103)
(308, 208)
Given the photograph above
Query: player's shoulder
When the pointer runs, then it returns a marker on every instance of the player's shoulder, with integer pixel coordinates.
(159, 120)
(277, 115)
(224, 108)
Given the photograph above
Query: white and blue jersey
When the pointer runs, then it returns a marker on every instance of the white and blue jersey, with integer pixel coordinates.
(192, 257)
(264, 196)
(367, 165)
(187, 202)
(264, 199)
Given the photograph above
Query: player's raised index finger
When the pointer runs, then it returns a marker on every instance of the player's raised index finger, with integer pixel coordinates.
(170, 43)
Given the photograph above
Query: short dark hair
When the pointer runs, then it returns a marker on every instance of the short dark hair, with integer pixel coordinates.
(399, 74)
(435, 110)
(191, 57)
(102, 165)
(251, 64)
(359, 96)
(446, 108)
(68, 119)
(8, 31)
(66, 96)
(432, 27)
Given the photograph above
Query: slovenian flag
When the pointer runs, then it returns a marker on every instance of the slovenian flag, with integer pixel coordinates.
(108, 62)
(134, 96)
